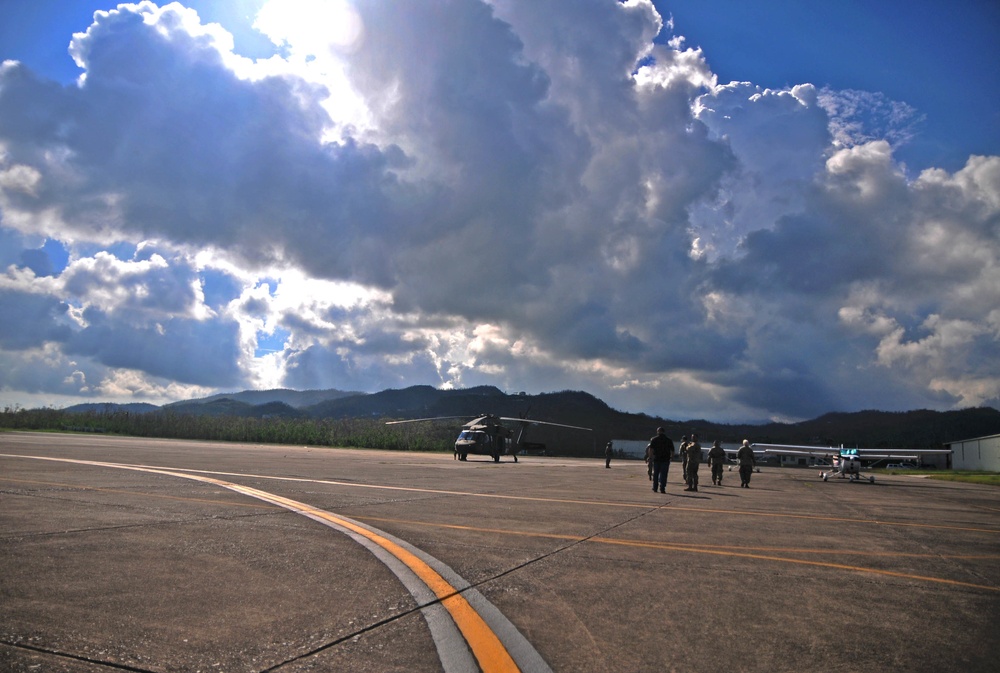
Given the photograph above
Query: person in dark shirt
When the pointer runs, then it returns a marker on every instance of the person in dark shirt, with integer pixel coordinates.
(747, 462)
(662, 449)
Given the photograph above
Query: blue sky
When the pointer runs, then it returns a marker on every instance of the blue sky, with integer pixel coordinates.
(939, 57)
(739, 211)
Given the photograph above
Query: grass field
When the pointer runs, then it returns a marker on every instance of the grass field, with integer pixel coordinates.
(990, 478)
(967, 476)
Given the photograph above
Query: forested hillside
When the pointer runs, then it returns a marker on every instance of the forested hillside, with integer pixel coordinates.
(339, 418)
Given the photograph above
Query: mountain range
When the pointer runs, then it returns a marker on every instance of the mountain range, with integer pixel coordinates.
(875, 429)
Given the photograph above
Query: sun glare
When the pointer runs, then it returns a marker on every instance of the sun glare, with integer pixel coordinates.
(310, 27)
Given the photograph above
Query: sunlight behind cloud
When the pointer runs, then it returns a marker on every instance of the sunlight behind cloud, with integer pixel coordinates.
(310, 27)
(314, 34)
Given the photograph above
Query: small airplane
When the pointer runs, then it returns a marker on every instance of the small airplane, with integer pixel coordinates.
(486, 435)
(846, 463)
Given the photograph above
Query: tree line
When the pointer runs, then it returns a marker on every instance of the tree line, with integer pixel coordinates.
(344, 432)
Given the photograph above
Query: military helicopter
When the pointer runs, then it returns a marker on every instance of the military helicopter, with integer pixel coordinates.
(486, 435)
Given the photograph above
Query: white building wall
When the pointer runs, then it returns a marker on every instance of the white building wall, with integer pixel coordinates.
(982, 453)
(636, 448)
(631, 447)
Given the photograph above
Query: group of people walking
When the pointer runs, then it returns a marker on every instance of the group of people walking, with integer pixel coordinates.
(660, 452)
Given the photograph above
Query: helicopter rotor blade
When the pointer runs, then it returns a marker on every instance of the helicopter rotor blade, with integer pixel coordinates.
(534, 422)
(526, 421)
(420, 420)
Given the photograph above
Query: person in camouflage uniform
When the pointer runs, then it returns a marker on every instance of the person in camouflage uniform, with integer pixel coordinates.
(684, 458)
(693, 460)
(716, 460)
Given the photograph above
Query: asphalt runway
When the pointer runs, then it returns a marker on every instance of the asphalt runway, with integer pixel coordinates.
(123, 554)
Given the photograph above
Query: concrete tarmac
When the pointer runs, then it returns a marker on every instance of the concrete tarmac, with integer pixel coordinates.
(124, 554)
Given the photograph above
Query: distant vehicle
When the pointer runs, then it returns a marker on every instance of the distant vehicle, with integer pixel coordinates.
(846, 463)
(486, 435)
(900, 466)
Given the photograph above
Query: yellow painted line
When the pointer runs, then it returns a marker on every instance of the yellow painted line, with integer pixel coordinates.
(598, 503)
(728, 551)
(486, 647)
(571, 501)
(669, 547)
(821, 564)
(786, 550)
(463, 613)
(147, 494)
(836, 519)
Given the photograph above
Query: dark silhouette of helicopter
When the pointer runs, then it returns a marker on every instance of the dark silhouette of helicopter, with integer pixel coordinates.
(486, 435)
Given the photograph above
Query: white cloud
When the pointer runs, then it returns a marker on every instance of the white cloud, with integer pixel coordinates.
(311, 27)
(859, 117)
(533, 195)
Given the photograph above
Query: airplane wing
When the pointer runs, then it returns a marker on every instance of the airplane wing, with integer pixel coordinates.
(534, 422)
(902, 454)
(758, 449)
(794, 450)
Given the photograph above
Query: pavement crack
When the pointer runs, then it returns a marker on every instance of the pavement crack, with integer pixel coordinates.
(472, 587)
(569, 545)
(131, 526)
(75, 657)
(350, 636)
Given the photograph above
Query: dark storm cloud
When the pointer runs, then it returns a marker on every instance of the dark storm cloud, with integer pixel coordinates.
(187, 351)
(31, 320)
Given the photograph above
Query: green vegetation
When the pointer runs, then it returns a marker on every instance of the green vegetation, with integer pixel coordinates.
(346, 432)
(967, 476)
(358, 420)
(919, 429)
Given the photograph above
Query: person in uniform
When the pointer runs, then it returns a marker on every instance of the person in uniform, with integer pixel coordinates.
(716, 461)
(608, 452)
(747, 463)
(693, 460)
(684, 458)
(662, 449)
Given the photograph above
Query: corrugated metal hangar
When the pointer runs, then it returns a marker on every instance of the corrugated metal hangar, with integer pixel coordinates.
(982, 453)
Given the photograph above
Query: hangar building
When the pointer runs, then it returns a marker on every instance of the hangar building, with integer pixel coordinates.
(631, 448)
(982, 453)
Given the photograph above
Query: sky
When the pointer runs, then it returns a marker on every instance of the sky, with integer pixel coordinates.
(695, 209)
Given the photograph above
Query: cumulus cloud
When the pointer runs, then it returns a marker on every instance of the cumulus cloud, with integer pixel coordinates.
(534, 195)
